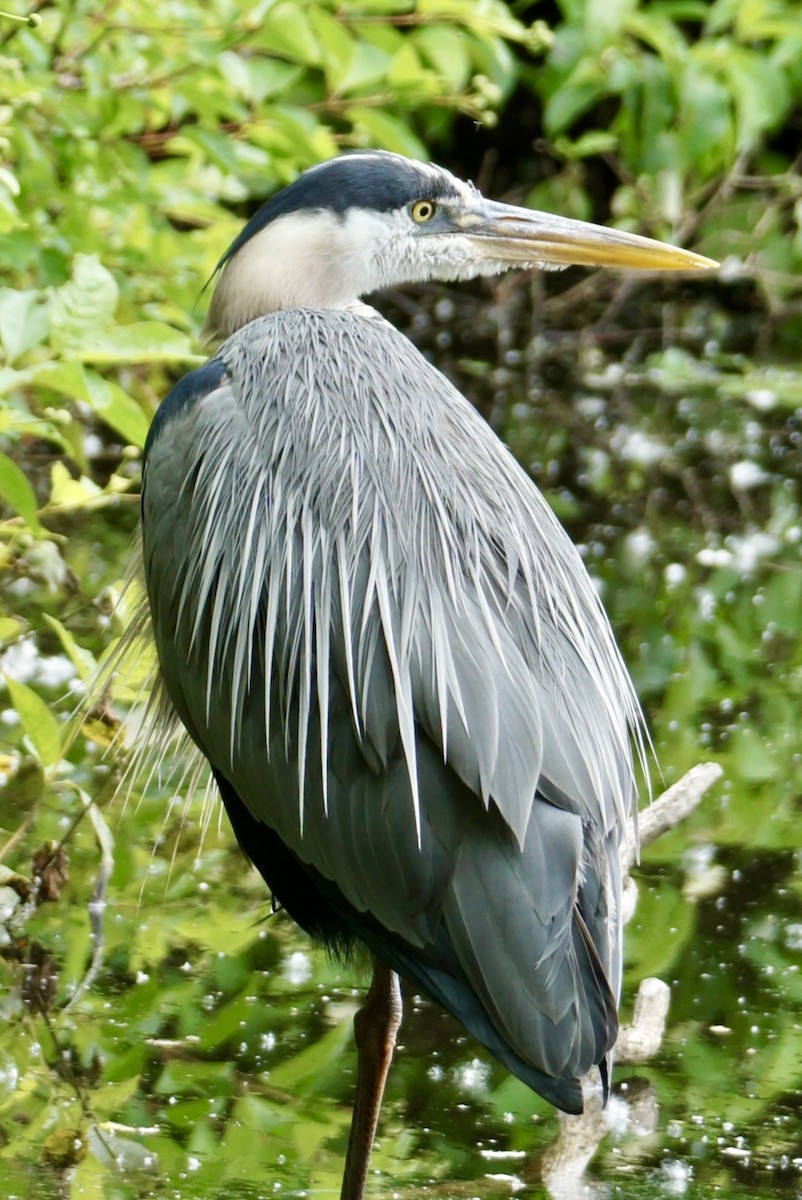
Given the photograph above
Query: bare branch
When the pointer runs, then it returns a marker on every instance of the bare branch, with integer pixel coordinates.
(673, 806)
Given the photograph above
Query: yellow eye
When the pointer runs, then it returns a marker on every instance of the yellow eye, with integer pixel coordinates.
(422, 211)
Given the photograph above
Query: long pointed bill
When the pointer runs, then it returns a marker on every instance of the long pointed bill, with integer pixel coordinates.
(509, 236)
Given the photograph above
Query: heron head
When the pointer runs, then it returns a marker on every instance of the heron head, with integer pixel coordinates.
(364, 221)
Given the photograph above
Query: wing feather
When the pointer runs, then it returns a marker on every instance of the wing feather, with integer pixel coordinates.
(370, 622)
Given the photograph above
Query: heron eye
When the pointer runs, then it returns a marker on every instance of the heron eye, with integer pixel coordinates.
(422, 211)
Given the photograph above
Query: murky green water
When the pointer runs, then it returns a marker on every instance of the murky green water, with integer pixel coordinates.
(211, 1054)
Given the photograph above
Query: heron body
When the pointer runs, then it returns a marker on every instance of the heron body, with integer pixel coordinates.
(371, 624)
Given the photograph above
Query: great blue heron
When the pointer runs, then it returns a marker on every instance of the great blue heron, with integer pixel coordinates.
(373, 627)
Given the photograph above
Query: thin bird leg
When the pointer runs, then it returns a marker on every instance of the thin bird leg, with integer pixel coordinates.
(375, 1026)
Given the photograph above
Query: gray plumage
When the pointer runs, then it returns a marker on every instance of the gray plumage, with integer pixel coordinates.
(371, 624)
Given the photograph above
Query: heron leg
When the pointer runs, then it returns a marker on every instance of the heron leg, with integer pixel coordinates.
(375, 1026)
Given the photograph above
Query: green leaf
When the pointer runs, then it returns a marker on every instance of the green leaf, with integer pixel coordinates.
(8, 379)
(117, 409)
(753, 757)
(389, 132)
(302, 1073)
(214, 146)
(38, 722)
(406, 71)
(83, 305)
(483, 17)
(10, 629)
(288, 32)
(195, 1078)
(761, 94)
(337, 45)
(574, 98)
(108, 1099)
(68, 378)
(258, 78)
(368, 67)
(67, 493)
(18, 493)
(660, 930)
(605, 19)
(447, 51)
(23, 321)
(84, 662)
(661, 33)
(706, 116)
(145, 341)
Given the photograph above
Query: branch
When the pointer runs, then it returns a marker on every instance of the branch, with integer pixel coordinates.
(673, 806)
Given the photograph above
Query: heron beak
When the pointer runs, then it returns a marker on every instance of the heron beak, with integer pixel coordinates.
(521, 236)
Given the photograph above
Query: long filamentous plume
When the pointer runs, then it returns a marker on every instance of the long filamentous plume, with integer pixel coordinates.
(371, 572)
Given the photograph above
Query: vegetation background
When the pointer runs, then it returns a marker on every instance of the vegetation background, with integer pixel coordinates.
(159, 1035)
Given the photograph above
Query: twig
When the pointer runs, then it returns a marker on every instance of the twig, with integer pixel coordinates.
(642, 1039)
(671, 807)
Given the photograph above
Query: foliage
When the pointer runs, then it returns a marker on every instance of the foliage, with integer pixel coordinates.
(148, 1016)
